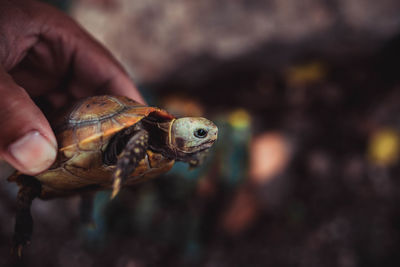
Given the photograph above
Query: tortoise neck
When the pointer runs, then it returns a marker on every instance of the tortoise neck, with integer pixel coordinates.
(162, 140)
(159, 139)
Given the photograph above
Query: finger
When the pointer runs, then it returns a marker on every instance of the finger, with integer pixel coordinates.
(26, 139)
(93, 67)
(68, 54)
(70, 60)
(100, 70)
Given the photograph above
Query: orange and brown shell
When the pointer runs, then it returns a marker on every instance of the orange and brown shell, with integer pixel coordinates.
(82, 139)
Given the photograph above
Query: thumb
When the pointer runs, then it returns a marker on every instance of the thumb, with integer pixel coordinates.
(26, 139)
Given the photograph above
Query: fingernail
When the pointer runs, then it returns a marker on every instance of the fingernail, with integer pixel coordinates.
(34, 152)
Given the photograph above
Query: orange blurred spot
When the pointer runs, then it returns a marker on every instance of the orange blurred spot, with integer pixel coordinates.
(269, 156)
(183, 106)
(206, 187)
(241, 214)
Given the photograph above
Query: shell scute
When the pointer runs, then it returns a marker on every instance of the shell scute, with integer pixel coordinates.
(95, 108)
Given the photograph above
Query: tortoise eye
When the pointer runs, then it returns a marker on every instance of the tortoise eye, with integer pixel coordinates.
(200, 133)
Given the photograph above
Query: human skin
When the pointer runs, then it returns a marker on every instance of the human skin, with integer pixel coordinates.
(45, 54)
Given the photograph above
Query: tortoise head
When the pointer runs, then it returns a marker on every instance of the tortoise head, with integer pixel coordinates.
(190, 138)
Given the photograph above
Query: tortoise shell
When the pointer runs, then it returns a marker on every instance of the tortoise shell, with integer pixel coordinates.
(83, 137)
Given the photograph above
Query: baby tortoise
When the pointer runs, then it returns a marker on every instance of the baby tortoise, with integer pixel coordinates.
(107, 142)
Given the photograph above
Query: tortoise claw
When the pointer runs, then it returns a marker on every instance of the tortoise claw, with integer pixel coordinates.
(116, 187)
(29, 189)
(18, 249)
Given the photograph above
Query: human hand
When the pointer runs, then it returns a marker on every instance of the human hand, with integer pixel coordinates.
(45, 54)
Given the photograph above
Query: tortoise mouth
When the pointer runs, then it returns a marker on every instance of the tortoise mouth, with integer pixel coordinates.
(210, 143)
(203, 146)
(196, 150)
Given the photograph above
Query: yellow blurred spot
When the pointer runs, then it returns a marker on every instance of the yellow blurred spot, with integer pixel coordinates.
(239, 119)
(384, 147)
(306, 73)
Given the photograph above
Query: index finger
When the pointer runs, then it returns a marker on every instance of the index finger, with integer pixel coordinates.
(92, 68)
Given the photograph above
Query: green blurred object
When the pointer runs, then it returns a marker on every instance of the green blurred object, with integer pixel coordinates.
(94, 234)
(64, 5)
(233, 146)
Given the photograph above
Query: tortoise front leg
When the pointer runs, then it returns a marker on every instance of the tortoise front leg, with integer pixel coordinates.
(30, 188)
(128, 160)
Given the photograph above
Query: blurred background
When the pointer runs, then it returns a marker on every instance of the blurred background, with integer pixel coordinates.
(306, 95)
